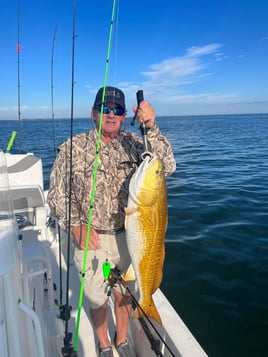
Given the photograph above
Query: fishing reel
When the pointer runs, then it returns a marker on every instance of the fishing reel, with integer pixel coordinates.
(110, 275)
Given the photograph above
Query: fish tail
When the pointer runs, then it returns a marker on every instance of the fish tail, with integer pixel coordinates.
(149, 310)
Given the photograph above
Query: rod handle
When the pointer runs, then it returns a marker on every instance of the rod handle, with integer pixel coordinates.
(140, 96)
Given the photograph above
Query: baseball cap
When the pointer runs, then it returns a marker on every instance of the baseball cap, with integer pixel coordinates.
(112, 95)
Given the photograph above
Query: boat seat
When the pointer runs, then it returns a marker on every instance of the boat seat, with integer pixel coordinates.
(26, 185)
(24, 168)
(29, 201)
(27, 196)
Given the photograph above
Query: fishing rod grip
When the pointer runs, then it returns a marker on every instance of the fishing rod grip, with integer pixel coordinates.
(140, 98)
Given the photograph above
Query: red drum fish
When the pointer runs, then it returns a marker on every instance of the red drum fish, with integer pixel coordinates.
(146, 223)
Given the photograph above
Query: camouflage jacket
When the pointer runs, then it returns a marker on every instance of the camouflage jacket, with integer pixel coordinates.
(116, 163)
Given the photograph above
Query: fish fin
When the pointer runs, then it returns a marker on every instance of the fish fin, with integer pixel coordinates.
(130, 274)
(126, 223)
(149, 310)
(129, 211)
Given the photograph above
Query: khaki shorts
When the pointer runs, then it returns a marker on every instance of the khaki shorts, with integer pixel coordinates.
(114, 249)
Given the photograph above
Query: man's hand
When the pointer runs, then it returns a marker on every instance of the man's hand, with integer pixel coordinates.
(145, 114)
(80, 232)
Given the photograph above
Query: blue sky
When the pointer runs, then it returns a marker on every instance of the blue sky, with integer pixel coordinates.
(190, 57)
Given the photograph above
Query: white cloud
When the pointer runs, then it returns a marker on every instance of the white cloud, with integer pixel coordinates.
(178, 71)
(13, 109)
(196, 51)
(7, 109)
(174, 70)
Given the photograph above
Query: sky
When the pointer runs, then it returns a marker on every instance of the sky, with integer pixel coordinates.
(190, 57)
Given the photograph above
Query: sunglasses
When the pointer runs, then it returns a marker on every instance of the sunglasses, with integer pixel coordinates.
(106, 110)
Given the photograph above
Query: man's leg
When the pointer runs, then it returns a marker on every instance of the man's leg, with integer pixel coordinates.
(122, 308)
(100, 322)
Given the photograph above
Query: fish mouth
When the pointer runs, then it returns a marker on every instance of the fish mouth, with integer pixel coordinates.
(147, 158)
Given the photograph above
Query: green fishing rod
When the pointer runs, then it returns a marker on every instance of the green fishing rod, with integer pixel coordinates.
(93, 188)
(11, 141)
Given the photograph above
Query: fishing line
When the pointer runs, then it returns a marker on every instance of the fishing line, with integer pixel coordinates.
(93, 188)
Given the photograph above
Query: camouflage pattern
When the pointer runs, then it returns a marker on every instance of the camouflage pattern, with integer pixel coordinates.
(117, 162)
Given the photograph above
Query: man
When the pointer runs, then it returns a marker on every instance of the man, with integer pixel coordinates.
(119, 156)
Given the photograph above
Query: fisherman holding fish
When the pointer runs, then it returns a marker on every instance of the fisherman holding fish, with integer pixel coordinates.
(120, 154)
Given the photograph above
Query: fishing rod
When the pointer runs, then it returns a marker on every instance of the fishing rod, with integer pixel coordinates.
(52, 89)
(11, 141)
(60, 303)
(94, 181)
(67, 349)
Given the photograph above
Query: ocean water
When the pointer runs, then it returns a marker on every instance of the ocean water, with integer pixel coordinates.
(216, 267)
